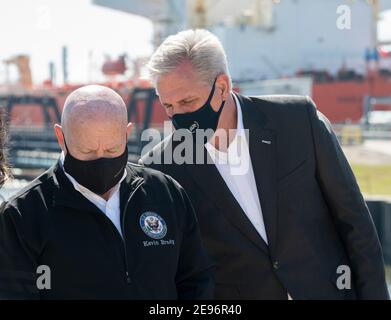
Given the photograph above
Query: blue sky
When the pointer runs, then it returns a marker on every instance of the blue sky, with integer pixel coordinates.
(41, 27)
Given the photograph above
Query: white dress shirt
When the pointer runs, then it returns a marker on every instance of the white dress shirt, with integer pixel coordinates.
(236, 169)
(111, 207)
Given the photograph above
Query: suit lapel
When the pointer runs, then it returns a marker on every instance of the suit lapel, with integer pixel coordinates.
(262, 145)
(209, 180)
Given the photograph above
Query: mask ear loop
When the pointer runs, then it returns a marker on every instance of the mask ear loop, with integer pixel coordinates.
(221, 107)
(65, 143)
(126, 143)
(211, 96)
(211, 92)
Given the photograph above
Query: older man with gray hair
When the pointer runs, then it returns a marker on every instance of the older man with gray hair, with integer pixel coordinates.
(97, 227)
(293, 223)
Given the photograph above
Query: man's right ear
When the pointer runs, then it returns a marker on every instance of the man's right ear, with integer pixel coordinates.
(60, 136)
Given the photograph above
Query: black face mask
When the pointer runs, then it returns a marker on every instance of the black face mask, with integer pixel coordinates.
(98, 175)
(203, 118)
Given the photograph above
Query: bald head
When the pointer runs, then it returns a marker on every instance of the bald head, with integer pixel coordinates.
(93, 122)
(91, 103)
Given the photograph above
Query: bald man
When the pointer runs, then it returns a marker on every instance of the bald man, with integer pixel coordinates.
(97, 227)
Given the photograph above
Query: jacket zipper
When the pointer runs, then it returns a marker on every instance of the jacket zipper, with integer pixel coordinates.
(127, 276)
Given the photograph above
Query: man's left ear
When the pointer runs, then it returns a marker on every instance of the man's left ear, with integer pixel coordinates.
(129, 129)
(224, 86)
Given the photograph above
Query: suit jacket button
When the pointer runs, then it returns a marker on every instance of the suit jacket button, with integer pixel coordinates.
(276, 265)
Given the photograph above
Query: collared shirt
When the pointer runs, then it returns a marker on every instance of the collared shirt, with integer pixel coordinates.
(236, 169)
(111, 207)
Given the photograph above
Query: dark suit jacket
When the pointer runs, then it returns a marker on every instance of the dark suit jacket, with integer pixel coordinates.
(315, 216)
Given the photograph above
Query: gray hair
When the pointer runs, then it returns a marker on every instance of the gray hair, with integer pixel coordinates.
(200, 47)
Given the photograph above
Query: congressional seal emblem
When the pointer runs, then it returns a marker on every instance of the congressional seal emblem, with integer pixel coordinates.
(153, 225)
